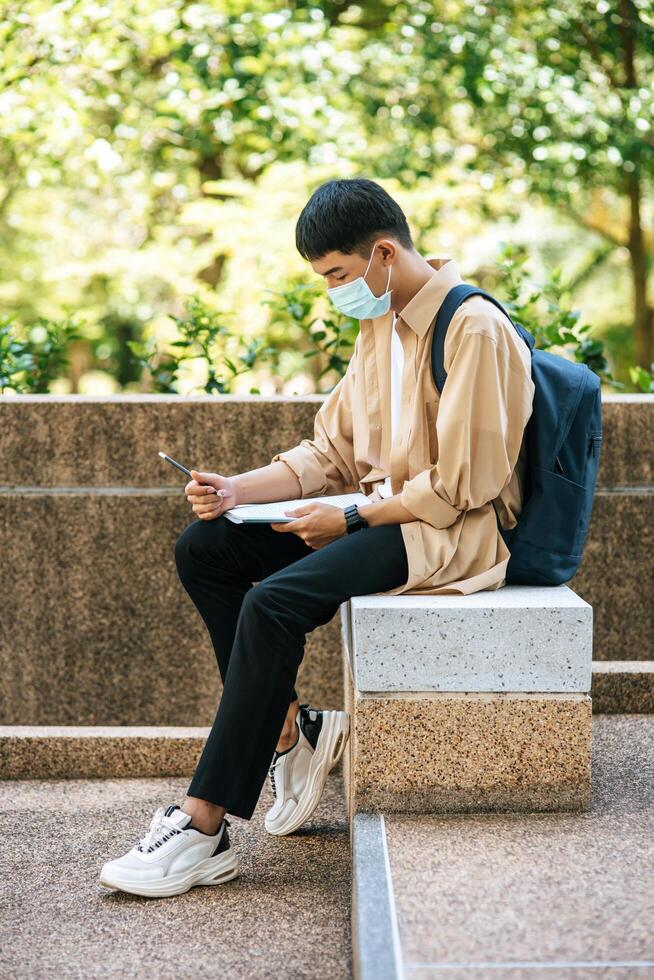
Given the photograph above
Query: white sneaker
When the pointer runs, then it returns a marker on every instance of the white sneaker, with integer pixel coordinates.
(172, 857)
(298, 775)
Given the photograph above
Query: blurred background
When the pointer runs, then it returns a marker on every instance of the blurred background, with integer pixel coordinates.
(155, 158)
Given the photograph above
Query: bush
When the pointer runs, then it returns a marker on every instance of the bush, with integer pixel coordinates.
(32, 357)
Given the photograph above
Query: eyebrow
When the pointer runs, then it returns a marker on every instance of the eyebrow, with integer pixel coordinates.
(336, 268)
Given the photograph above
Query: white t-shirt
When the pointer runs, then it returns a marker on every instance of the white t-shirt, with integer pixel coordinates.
(397, 363)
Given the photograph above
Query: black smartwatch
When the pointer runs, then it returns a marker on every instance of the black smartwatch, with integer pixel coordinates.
(353, 519)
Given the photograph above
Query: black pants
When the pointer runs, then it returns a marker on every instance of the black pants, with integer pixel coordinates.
(258, 631)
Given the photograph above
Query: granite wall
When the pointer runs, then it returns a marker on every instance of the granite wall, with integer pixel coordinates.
(95, 627)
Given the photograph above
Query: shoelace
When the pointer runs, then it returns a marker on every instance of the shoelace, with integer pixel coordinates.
(160, 830)
(271, 773)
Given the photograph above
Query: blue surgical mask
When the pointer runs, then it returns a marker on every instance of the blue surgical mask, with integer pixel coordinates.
(357, 299)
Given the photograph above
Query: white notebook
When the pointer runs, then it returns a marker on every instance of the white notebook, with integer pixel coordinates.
(274, 512)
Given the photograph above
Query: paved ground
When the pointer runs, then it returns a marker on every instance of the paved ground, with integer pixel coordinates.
(487, 897)
(560, 896)
(287, 915)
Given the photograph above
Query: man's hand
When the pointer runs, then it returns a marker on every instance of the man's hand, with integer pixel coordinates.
(207, 504)
(317, 523)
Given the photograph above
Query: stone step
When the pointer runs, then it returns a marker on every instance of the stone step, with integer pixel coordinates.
(508, 895)
(92, 752)
(287, 914)
(96, 751)
(50, 751)
(518, 638)
(623, 686)
(468, 703)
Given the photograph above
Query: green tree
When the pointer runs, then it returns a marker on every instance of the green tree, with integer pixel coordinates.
(115, 117)
(556, 99)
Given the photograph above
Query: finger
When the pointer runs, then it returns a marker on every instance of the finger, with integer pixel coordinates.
(201, 489)
(198, 493)
(202, 478)
(194, 487)
(206, 508)
(297, 524)
(208, 501)
(302, 511)
(205, 479)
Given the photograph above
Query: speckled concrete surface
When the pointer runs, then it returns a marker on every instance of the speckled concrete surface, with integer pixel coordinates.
(623, 686)
(518, 638)
(127, 430)
(104, 514)
(286, 915)
(538, 888)
(445, 753)
(119, 641)
(616, 574)
(97, 752)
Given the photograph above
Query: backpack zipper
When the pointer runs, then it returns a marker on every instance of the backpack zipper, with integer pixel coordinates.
(592, 442)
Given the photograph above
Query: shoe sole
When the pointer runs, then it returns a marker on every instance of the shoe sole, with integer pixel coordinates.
(211, 871)
(331, 743)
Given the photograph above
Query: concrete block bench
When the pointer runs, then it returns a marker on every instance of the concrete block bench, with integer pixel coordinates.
(468, 703)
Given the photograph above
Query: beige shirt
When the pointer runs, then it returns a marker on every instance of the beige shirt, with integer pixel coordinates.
(397, 363)
(451, 456)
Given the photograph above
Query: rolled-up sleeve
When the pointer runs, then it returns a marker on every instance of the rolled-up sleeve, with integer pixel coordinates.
(325, 464)
(484, 407)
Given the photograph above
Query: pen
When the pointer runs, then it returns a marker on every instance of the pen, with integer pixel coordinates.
(179, 466)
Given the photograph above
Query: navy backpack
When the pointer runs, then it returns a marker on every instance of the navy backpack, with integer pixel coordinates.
(563, 436)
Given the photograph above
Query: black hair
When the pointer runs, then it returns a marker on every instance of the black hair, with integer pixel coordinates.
(348, 215)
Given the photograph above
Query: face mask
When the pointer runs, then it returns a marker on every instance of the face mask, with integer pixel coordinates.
(357, 299)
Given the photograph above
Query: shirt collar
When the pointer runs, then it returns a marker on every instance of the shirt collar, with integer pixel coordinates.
(421, 310)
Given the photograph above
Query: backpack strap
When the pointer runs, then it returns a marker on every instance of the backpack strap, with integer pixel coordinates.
(450, 304)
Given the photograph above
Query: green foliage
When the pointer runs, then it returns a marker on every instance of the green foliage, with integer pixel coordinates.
(555, 94)
(119, 119)
(31, 359)
(331, 335)
(545, 311)
(642, 379)
(225, 354)
(203, 335)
